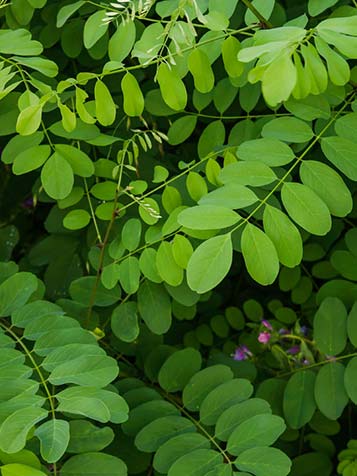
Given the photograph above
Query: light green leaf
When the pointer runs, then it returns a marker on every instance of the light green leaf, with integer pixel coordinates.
(284, 235)
(288, 129)
(299, 401)
(133, 97)
(172, 87)
(166, 265)
(79, 161)
(57, 177)
(94, 28)
(315, 7)
(182, 250)
(259, 430)
(330, 334)
(15, 469)
(178, 369)
(337, 67)
(30, 159)
(254, 174)
(202, 383)
(29, 120)
(124, 321)
(260, 255)
(230, 49)
(196, 186)
(96, 464)
(85, 437)
(330, 393)
(76, 219)
(231, 196)
(279, 80)
(342, 153)
(270, 151)
(212, 137)
(223, 397)
(264, 7)
(15, 428)
(15, 291)
(105, 108)
(262, 461)
(210, 263)
(54, 439)
(201, 70)
(154, 307)
(181, 129)
(328, 185)
(208, 217)
(45, 66)
(67, 11)
(18, 42)
(306, 208)
(345, 126)
(121, 43)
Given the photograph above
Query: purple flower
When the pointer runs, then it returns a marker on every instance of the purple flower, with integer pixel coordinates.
(304, 330)
(267, 324)
(305, 362)
(264, 337)
(295, 349)
(242, 353)
(283, 331)
(28, 203)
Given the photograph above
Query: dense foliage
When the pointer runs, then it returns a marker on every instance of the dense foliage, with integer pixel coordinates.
(177, 199)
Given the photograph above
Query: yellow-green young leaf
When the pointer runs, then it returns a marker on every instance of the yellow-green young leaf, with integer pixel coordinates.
(29, 120)
(31, 159)
(315, 7)
(210, 263)
(284, 235)
(171, 199)
(306, 208)
(196, 186)
(67, 11)
(81, 96)
(94, 28)
(270, 151)
(208, 217)
(104, 105)
(346, 44)
(121, 43)
(328, 185)
(15, 469)
(133, 97)
(230, 49)
(149, 211)
(201, 70)
(337, 67)
(76, 219)
(231, 196)
(315, 69)
(260, 255)
(279, 80)
(166, 265)
(68, 118)
(172, 87)
(57, 177)
(46, 67)
(182, 250)
(181, 129)
(54, 439)
(303, 82)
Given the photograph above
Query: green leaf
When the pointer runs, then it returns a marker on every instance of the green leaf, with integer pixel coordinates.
(328, 185)
(98, 464)
(350, 379)
(315, 7)
(306, 208)
(121, 43)
(172, 87)
(182, 250)
(237, 414)
(79, 161)
(330, 334)
(105, 108)
(210, 263)
(337, 67)
(94, 28)
(330, 393)
(176, 447)
(124, 322)
(231, 196)
(196, 463)
(230, 49)
(57, 177)
(46, 67)
(212, 137)
(181, 129)
(255, 174)
(264, 7)
(133, 97)
(288, 129)
(15, 428)
(201, 70)
(342, 154)
(154, 307)
(76, 219)
(29, 120)
(202, 383)
(85, 437)
(285, 236)
(345, 126)
(270, 151)
(54, 439)
(208, 217)
(129, 274)
(16, 291)
(196, 186)
(352, 325)
(166, 265)
(156, 433)
(222, 397)
(178, 369)
(315, 69)
(14, 469)
(299, 401)
(18, 42)
(81, 291)
(309, 108)
(260, 255)
(262, 461)
(67, 11)
(259, 430)
(279, 80)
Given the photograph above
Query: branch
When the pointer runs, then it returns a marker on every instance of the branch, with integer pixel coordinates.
(260, 17)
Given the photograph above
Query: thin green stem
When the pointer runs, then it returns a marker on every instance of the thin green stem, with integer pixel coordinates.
(260, 17)
(99, 236)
